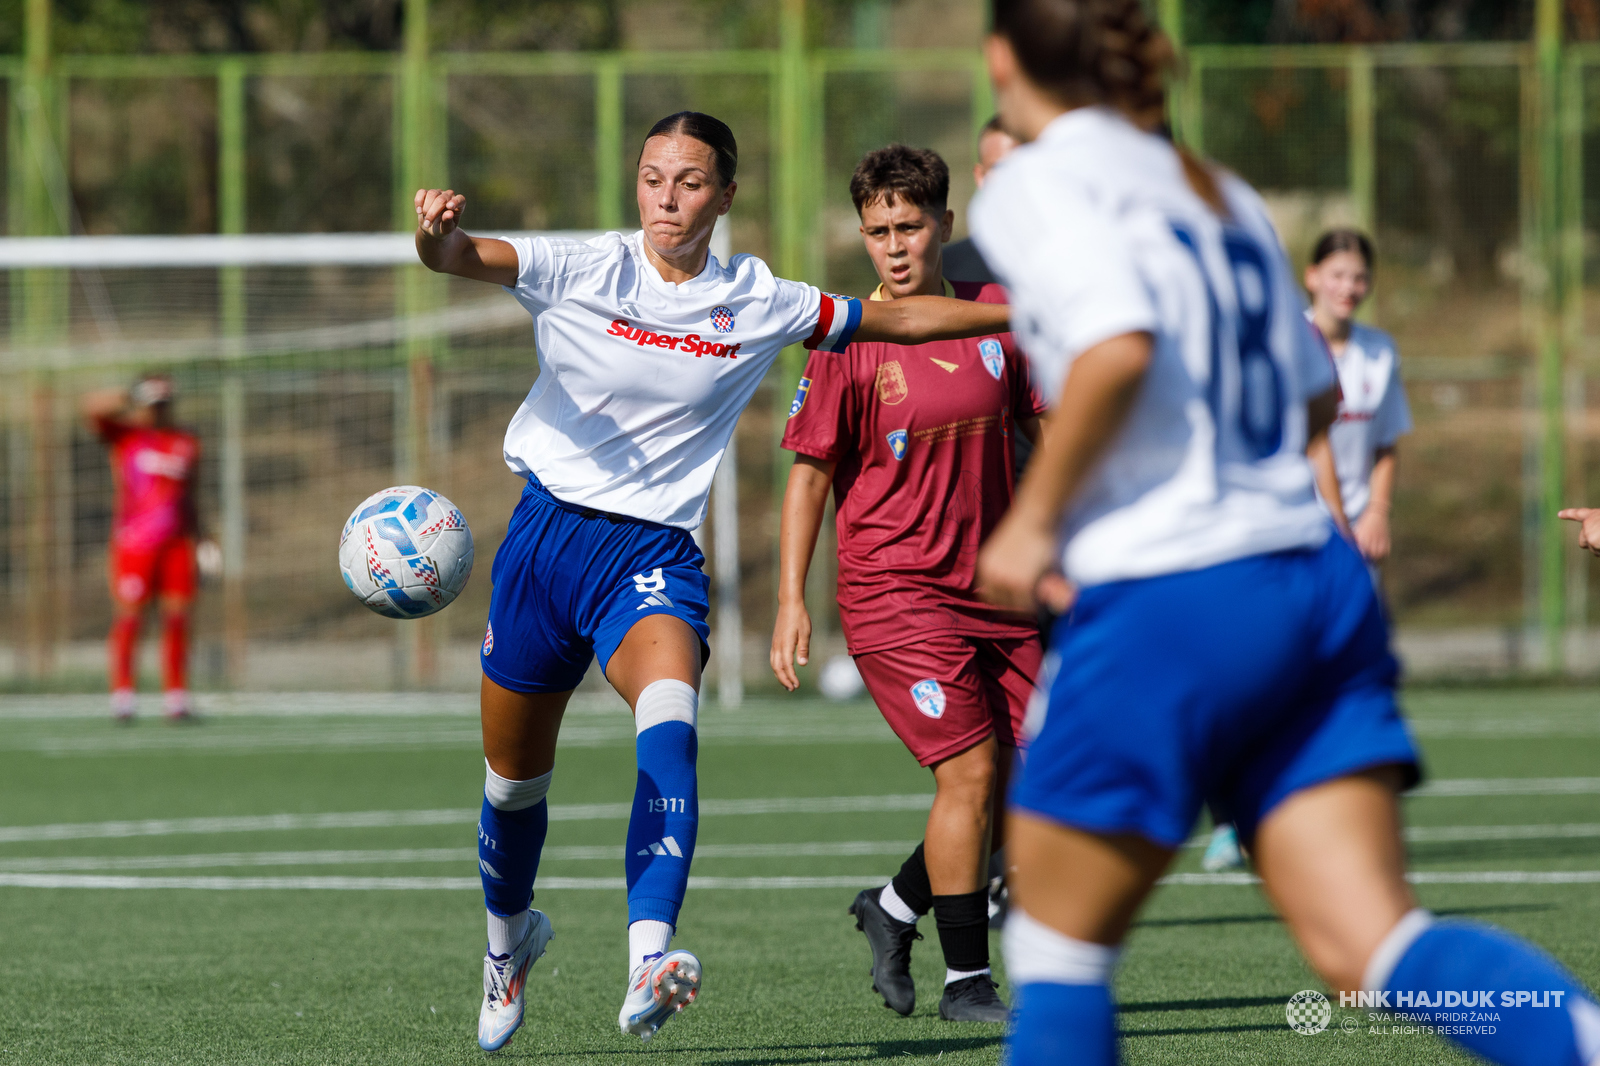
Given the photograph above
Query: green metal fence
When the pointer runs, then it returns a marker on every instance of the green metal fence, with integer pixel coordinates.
(1468, 163)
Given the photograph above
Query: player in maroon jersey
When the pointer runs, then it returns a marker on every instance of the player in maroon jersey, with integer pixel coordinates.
(153, 533)
(915, 444)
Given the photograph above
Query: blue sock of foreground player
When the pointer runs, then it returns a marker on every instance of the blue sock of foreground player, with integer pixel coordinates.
(666, 814)
(511, 832)
(1447, 970)
(1061, 1008)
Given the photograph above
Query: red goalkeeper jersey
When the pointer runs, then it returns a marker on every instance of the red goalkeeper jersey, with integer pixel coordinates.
(922, 438)
(153, 469)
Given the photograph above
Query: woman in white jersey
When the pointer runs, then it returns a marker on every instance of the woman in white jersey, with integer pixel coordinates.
(1224, 647)
(648, 351)
(1373, 412)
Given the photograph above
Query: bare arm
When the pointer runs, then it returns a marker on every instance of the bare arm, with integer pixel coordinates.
(443, 247)
(918, 319)
(102, 406)
(1016, 564)
(1320, 452)
(1372, 528)
(1031, 428)
(804, 501)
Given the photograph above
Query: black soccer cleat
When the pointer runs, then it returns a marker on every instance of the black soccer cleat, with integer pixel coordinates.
(973, 999)
(890, 940)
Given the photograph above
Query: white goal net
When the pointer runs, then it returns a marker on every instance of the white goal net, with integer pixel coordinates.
(316, 369)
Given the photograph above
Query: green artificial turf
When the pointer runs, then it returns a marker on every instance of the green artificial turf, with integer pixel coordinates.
(387, 976)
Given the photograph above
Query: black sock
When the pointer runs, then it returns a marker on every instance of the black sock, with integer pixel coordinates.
(911, 883)
(963, 929)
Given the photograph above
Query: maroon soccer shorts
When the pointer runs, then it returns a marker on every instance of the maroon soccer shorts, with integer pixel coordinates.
(946, 693)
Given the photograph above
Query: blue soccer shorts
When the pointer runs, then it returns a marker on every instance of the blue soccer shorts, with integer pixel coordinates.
(1232, 686)
(570, 582)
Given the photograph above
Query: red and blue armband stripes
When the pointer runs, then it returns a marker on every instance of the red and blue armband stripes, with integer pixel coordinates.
(837, 320)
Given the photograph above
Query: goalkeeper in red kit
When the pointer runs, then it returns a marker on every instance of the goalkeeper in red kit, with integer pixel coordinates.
(154, 528)
(915, 444)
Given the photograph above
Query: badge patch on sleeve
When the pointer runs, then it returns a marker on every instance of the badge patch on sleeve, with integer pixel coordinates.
(488, 640)
(897, 443)
(800, 394)
(928, 695)
(994, 359)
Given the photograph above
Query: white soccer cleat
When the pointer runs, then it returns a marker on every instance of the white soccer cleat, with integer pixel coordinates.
(503, 982)
(123, 705)
(657, 990)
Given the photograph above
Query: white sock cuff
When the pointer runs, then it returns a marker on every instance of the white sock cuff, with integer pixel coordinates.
(1037, 954)
(1380, 967)
(667, 700)
(504, 794)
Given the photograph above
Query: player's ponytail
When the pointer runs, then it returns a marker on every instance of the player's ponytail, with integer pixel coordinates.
(1091, 52)
(711, 132)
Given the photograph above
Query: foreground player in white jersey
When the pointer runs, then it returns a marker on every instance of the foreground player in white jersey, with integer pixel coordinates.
(1225, 646)
(1373, 412)
(648, 351)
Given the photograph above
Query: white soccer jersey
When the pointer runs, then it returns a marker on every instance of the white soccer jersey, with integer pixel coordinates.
(1095, 233)
(642, 381)
(1373, 413)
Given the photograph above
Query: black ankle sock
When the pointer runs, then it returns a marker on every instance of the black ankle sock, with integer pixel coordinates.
(963, 929)
(911, 883)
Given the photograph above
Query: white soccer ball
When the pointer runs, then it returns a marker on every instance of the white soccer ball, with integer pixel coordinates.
(406, 552)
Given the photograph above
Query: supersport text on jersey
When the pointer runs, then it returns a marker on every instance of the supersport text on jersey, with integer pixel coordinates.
(1095, 233)
(642, 381)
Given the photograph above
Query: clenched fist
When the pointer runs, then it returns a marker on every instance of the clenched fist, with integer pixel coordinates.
(439, 211)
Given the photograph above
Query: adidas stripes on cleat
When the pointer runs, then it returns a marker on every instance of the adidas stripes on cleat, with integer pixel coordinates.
(657, 990)
(504, 980)
(890, 940)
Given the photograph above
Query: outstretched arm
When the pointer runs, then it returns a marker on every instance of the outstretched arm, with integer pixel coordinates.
(918, 319)
(102, 408)
(444, 247)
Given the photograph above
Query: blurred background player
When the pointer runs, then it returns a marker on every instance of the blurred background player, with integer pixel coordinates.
(962, 260)
(1373, 412)
(1224, 645)
(915, 444)
(599, 559)
(154, 528)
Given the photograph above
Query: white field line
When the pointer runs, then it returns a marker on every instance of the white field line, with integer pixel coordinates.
(1507, 786)
(408, 856)
(1423, 877)
(450, 816)
(392, 884)
(463, 884)
(1439, 834)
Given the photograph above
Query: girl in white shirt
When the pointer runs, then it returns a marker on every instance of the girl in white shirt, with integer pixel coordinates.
(1373, 412)
(649, 349)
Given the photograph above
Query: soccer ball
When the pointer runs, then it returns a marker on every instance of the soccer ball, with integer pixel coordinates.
(406, 552)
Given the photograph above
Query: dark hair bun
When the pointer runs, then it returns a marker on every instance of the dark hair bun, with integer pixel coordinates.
(1091, 51)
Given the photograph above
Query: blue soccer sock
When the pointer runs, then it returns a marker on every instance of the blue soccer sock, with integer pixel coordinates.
(666, 802)
(1546, 1018)
(1061, 1008)
(511, 832)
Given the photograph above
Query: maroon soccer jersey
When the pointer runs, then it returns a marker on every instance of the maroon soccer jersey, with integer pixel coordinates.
(922, 438)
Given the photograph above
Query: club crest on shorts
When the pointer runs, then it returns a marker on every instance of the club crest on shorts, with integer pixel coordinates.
(994, 359)
(928, 695)
(800, 394)
(488, 639)
(892, 388)
(722, 319)
(897, 443)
